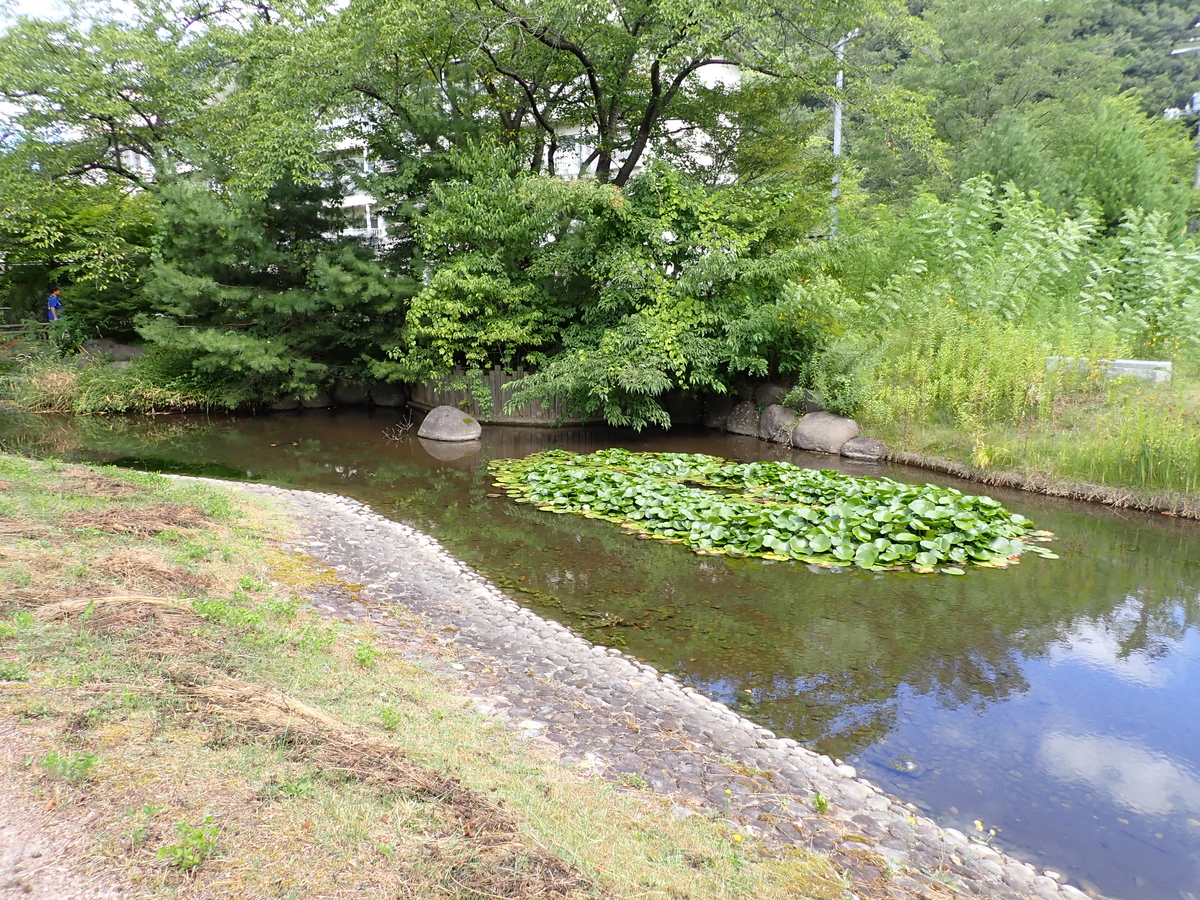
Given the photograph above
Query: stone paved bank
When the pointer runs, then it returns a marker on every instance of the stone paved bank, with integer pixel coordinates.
(637, 726)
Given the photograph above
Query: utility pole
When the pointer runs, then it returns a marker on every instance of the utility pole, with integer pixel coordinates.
(839, 50)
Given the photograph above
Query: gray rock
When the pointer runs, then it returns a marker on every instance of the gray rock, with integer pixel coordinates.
(770, 393)
(389, 395)
(776, 423)
(445, 423)
(347, 393)
(743, 419)
(283, 404)
(864, 448)
(717, 408)
(823, 432)
(319, 400)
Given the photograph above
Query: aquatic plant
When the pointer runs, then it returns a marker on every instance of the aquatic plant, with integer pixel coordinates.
(775, 510)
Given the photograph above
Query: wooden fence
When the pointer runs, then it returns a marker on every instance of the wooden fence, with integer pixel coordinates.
(435, 393)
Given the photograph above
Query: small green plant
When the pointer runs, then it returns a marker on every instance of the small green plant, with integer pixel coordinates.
(365, 655)
(314, 638)
(633, 780)
(820, 803)
(196, 844)
(20, 621)
(282, 608)
(142, 819)
(229, 613)
(13, 671)
(292, 790)
(75, 767)
(391, 718)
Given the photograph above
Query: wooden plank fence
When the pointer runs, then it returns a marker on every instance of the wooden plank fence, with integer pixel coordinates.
(435, 393)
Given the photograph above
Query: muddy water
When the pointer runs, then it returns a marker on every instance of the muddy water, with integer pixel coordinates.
(1056, 703)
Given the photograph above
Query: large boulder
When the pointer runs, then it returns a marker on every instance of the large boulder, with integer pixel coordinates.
(347, 393)
(865, 449)
(770, 393)
(445, 423)
(390, 395)
(320, 400)
(743, 419)
(776, 423)
(284, 404)
(823, 432)
(717, 408)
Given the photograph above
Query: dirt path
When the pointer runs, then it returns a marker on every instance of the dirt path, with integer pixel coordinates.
(46, 852)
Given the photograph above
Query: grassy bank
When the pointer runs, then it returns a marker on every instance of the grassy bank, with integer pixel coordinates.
(46, 376)
(165, 686)
(982, 395)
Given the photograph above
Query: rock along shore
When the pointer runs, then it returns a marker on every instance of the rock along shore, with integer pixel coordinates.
(604, 709)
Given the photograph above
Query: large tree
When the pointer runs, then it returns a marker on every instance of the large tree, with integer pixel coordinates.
(1057, 96)
(619, 76)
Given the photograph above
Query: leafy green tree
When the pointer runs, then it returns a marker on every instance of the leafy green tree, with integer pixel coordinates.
(90, 107)
(111, 96)
(93, 238)
(258, 298)
(1040, 95)
(1143, 34)
(689, 288)
(552, 76)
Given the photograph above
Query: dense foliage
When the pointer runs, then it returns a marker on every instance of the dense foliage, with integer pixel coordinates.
(775, 510)
(589, 194)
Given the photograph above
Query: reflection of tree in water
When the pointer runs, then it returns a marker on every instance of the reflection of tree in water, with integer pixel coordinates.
(1145, 629)
(47, 434)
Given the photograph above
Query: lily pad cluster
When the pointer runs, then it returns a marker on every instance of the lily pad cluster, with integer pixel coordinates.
(775, 510)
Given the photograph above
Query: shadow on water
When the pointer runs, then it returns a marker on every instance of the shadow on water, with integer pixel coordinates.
(1054, 702)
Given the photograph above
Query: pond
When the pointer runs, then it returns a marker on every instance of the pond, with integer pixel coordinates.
(1056, 703)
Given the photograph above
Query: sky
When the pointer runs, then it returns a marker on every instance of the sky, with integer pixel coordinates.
(39, 8)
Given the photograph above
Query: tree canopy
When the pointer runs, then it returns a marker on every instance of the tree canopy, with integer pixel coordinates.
(626, 197)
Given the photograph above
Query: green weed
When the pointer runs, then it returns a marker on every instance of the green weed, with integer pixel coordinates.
(365, 655)
(196, 844)
(75, 767)
(142, 819)
(13, 671)
(391, 718)
(292, 790)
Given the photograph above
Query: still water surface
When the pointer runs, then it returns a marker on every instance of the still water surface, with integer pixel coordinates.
(1057, 702)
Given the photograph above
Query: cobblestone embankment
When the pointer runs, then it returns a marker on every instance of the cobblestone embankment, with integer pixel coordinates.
(602, 708)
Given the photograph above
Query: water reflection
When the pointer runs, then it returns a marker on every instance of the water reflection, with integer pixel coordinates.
(1128, 773)
(1055, 701)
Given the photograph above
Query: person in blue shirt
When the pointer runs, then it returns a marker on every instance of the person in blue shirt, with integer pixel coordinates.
(53, 306)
